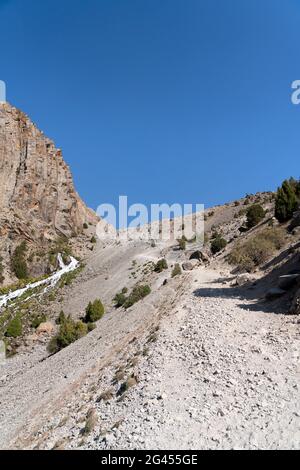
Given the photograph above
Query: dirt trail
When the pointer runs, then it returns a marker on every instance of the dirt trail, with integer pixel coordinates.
(220, 376)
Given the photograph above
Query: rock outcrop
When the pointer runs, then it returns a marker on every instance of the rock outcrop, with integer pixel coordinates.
(38, 201)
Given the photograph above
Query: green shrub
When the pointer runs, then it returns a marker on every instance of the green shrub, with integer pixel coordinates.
(91, 326)
(287, 200)
(137, 293)
(255, 214)
(19, 263)
(161, 265)
(14, 328)
(119, 299)
(93, 239)
(61, 318)
(182, 243)
(94, 311)
(218, 243)
(176, 270)
(69, 331)
(257, 249)
(37, 320)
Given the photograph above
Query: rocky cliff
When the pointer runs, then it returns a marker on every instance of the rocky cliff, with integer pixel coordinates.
(38, 201)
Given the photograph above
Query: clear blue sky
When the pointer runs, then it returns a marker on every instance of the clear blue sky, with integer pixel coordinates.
(161, 100)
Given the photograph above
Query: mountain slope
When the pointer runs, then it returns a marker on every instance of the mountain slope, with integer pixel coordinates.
(38, 202)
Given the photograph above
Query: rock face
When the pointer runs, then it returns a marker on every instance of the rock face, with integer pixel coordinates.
(36, 183)
(38, 202)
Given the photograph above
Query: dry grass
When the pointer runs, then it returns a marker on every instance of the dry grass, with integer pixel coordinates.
(258, 249)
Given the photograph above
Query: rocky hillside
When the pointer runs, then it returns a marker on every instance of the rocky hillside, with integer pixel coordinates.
(38, 201)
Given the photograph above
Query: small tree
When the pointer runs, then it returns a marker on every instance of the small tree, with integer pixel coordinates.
(286, 201)
(94, 311)
(255, 214)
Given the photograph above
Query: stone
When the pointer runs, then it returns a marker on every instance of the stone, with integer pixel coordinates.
(242, 279)
(45, 328)
(200, 256)
(190, 265)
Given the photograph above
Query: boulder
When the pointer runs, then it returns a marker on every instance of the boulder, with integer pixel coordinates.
(200, 256)
(242, 279)
(190, 265)
(45, 328)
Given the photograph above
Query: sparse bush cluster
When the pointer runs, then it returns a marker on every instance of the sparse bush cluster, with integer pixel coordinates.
(71, 330)
(120, 298)
(94, 311)
(257, 249)
(18, 261)
(287, 200)
(137, 293)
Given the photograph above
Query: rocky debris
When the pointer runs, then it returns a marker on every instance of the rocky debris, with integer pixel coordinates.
(196, 389)
(190, 265)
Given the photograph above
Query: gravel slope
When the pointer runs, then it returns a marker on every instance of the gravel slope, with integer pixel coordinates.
(211, 372)
(220, 376)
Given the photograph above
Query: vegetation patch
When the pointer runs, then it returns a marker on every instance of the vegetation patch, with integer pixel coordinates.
(255, 214)
(161, 265)
(69, 332)
(287, 200)
(18, 261)
(14, 328)
(94, 311)
(176, 270)
(218, 243)
(138, 293)
(258, 249)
